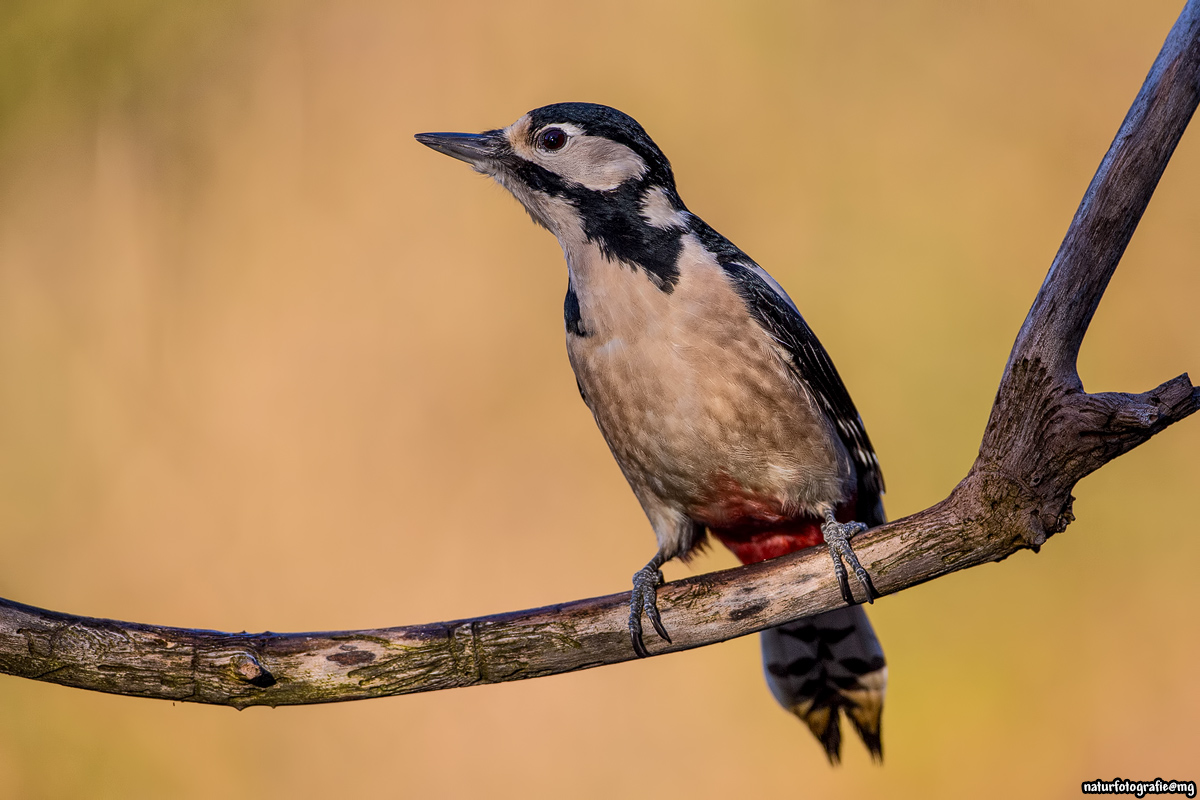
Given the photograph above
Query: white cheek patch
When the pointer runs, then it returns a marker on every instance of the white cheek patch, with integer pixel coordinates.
(595, 163)
(658, 211)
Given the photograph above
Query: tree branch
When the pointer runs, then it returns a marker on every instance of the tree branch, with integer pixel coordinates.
(1044, 434)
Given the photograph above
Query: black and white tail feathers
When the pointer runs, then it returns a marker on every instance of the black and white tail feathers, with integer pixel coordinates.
(819, 667)
(822, 666)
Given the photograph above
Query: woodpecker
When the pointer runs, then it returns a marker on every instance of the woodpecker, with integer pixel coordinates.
(724, 412)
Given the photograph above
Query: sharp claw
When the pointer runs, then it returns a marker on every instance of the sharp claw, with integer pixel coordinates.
(635, 634)
(656, 620)
(872, 593)
(840, 571)
(635, 626)
(844, 585)
(644, 600)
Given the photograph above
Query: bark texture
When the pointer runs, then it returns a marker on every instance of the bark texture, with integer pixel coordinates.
(1045, 433)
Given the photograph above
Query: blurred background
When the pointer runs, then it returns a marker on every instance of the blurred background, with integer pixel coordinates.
(267, 363)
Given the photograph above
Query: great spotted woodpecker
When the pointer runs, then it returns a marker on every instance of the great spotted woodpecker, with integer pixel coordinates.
(719, 404)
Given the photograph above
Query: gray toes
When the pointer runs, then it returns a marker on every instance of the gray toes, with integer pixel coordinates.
(644, 600)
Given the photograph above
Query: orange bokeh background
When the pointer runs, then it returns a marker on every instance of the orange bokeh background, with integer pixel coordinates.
(267, 363)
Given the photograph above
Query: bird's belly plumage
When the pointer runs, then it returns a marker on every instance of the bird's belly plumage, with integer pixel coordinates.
(697, 402)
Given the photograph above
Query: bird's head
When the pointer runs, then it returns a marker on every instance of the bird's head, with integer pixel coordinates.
(584, 171)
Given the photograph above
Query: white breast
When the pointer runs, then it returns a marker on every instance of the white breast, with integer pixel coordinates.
(690, 392)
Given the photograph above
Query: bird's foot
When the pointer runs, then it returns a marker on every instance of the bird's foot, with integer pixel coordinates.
(837, 536)
(644, 599)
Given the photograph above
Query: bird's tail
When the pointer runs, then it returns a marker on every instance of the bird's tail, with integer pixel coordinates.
(820, 666)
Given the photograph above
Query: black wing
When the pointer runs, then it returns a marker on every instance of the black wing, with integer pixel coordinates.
(777, 314)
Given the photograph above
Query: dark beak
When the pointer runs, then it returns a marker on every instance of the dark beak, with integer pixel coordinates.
(472, 148)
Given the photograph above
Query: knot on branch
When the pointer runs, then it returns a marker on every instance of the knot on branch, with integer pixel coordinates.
(247, 668)
(1136, 416)
(1011, 511)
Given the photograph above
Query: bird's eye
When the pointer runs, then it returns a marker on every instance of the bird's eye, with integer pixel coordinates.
(553, 138)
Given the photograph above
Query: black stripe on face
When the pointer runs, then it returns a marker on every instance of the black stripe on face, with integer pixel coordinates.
(613, 221)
